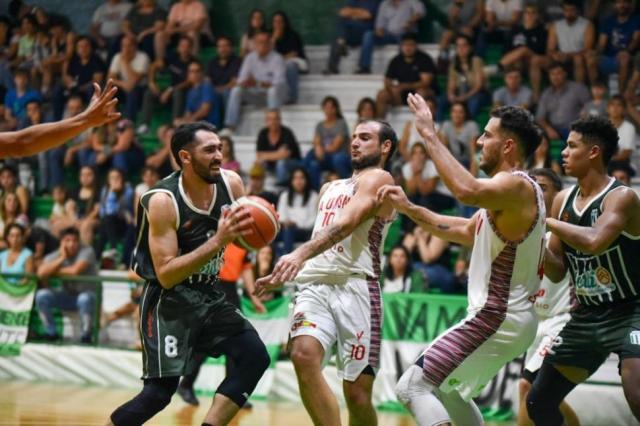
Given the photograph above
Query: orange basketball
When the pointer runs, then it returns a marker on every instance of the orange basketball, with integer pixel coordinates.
(265, 223)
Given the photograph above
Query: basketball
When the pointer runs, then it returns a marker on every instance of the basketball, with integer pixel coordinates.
(265, 223)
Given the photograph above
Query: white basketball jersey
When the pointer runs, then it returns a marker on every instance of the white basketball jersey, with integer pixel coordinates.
(553, 298)
(506, 273)
(358, 255)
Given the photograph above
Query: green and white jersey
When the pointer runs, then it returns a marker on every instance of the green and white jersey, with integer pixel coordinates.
(612, 276)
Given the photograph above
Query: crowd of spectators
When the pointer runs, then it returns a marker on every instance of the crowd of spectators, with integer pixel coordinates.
(560, 59)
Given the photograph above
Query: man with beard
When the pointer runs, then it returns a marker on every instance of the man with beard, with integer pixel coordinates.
(507, 235)
(596, 237)
(338, 302)
(183, 228)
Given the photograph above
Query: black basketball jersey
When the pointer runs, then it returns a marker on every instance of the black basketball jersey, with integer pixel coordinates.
(611, 277)
(193, 226)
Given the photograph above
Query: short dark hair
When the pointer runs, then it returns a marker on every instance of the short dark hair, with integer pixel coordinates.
(575, 3)
(385, 133)
(596, 130)
(520, 123)
(185, 135)
(549, 174)
(12, 225)
(557, 64)
(71, 230)
(9, 168)
(410, 36)
(618, 98)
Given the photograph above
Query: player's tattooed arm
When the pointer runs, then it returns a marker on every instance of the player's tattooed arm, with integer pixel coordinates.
(456, 229)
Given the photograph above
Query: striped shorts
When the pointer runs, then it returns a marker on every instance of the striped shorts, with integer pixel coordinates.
(348, 316)
(466, 357)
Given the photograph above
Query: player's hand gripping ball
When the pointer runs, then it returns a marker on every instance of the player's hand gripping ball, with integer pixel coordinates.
(265, 224)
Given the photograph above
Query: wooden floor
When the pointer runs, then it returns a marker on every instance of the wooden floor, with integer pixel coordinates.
(25, 403)
(43, 404)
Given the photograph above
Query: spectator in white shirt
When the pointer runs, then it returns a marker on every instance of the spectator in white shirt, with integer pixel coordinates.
(297, 207)
(262, 77)
(626, 131)
(129, 72)
(106, 24)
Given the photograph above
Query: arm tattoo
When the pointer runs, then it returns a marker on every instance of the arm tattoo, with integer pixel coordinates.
(325, 239)
(443, 226)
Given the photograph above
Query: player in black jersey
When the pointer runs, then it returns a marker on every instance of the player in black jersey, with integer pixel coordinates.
(182, 232)
(596, 236)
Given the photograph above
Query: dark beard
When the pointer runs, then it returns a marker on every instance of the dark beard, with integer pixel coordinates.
(205, 173)
(366, 161)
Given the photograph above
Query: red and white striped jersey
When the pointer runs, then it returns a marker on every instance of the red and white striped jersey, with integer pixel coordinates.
(358, 255)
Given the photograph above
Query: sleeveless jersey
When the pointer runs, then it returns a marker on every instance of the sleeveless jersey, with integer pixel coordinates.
(193, 226)
(505, 275)
(358, 255)
(611, 277)
(553, 298)
(571, 37)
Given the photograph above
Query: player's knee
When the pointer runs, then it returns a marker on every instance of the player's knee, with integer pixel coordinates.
(154, 397)
(357, 396)
(303, 356)
(542, 409)
(411, 383)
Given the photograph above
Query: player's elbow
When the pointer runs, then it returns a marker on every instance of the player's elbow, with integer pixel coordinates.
(466, 195)
(595, 246)
(165, 280)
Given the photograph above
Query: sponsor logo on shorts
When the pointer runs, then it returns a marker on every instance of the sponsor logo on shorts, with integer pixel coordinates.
(634, 337)
(302, 323)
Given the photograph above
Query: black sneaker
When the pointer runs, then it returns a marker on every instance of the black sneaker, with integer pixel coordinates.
(188, 395)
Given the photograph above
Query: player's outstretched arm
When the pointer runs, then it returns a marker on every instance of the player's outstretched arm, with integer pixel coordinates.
(456, 229)
(171, 268)
(554, 266)
(40, 137)
(503, 191)
(362, 206)
(620, 208)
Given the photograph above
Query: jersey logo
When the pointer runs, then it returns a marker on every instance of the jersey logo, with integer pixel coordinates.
(594, 216)
(591, 279)
(634, 337)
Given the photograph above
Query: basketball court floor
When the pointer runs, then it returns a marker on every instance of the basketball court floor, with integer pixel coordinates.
(43, 404)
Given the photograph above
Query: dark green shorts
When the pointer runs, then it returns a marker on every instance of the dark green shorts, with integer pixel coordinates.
(593, 332)
(178, 323)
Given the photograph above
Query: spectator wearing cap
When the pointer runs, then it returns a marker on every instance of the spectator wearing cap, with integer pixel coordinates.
(202, 101)
(410, 71)
(257, 175)
(262, 75)
(277, 147)
(114, 145)
(74, 259)
(394, 18)
(128, 70)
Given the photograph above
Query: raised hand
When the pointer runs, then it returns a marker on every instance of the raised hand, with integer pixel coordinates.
(102, 108)
(396, 196)
(423, 117)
